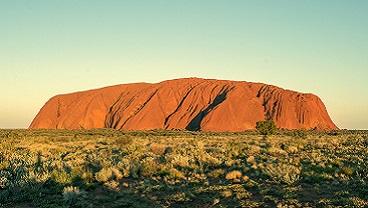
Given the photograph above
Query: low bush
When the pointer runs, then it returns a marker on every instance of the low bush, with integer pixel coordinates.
(267, 127)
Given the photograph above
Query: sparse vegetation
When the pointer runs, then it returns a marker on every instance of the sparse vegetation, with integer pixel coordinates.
(96, 168)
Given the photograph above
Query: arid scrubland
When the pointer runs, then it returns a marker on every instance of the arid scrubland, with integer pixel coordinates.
(110, 168)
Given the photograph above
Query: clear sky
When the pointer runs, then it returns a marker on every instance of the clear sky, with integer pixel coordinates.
(50, 47)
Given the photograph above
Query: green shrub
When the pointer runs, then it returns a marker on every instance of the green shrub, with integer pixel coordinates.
(61, 177)
(266, 127)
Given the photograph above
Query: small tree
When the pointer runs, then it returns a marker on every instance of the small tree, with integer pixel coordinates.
(266, 127)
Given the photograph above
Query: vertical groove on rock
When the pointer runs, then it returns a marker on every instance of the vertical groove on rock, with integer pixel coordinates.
(195, 123)
(179, 106)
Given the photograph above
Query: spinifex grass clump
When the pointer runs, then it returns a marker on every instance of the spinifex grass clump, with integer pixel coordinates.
(109, 168)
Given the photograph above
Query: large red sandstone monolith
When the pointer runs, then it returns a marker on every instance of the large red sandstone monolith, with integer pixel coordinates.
(191, 103)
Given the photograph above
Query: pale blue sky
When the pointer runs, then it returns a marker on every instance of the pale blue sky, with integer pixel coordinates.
(52, 47)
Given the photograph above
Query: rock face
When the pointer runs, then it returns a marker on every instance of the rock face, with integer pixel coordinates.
(191, 103)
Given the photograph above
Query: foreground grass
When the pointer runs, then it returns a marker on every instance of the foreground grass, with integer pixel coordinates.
(109, 168)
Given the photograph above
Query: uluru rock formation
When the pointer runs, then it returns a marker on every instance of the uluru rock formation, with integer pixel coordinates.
(190, 103)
